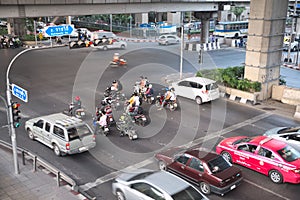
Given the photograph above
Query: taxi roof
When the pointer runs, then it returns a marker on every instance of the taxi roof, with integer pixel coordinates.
(268, 142)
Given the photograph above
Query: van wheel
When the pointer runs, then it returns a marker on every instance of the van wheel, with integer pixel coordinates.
(30, 134)
(205, 188)
(56, 150)
(198, 100)
(120, 195)
(122, 46)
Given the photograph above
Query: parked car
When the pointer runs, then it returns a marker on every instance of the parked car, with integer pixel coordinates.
(263, 154)
(168, 39)
(110, 43)
(290, 135)
(197, 88)
(62, 133)
(97, 35)
(210, 171)
(145, 184)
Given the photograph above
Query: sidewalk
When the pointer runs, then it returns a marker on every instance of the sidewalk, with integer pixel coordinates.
(29, 185)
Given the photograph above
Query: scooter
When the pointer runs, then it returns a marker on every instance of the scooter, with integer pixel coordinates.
(125, 127)
(149, 99)
(137, 116)
(172, 105)
(121, 63)
(98, 129)
(76, 112)
(108, 112)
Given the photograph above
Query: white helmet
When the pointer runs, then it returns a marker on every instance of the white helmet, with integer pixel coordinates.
(150, 86)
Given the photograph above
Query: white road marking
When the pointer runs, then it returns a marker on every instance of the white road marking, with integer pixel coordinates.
(265, 189)
(148, 161)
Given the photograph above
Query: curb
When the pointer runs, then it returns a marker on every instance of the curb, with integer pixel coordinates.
(238, 99)
(291, 66)
(137, 40)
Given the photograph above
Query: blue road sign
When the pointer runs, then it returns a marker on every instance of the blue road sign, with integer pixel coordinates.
(19, 92)
(61, 30)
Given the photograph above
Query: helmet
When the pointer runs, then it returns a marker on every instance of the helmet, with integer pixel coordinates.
(116, 54)
(115, 81)
(172, 89)
(150, 86)
(77, 98)
(167, 89)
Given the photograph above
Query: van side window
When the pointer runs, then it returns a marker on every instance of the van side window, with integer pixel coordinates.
(196, 85)
(184, 83)
(40, 123)
(58, 131)
(47, 127)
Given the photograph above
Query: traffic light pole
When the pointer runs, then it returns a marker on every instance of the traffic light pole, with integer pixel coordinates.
(12, 130)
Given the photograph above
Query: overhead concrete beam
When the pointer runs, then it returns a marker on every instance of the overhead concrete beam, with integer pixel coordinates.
(12, 11)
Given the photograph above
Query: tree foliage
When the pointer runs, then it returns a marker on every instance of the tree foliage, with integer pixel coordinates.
(237, 11)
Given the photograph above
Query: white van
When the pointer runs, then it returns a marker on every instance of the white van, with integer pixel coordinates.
(102, 34)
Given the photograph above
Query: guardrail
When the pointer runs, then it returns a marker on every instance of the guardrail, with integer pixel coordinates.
(36, 161)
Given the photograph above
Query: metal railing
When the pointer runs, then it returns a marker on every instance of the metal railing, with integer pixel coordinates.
(36, 162)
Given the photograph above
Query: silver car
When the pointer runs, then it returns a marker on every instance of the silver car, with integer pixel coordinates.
(145, 184)
(62, 133)
(168, 39)
(290, 135)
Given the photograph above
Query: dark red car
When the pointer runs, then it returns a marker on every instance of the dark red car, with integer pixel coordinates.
(210, 171)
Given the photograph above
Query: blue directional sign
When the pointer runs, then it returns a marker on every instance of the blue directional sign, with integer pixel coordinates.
(19, 92)
(61, 30)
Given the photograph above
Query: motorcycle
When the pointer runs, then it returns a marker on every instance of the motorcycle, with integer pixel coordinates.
(149, 99)
(172, 105)
(137, 116)
(98, 129)
(114, 103)
(76, 112)
(120, 63)
(125, 127)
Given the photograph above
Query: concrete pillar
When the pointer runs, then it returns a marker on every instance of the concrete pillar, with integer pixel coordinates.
(145, 18)
(204, 17)
(174, 18)
(264, 45)
(16, 26)
(68, 20)
(204, 30)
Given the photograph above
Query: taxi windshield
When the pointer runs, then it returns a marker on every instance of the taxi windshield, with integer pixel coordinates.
(289, 154)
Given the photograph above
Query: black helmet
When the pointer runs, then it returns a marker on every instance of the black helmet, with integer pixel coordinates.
(115, 81)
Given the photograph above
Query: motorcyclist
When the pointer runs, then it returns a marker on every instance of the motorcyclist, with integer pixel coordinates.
(149, 91)
(167, 97)
(102, 120)
(116, 58)
(76, 104)
(173, 95)
(114, 86)
(134, 103)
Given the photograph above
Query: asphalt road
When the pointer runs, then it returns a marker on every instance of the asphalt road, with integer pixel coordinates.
(53, 76)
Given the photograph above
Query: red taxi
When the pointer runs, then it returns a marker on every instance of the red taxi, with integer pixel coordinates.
(271, 157)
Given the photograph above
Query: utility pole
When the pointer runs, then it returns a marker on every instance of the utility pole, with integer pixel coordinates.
(292, 33)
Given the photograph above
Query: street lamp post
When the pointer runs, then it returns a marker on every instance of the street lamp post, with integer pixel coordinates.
(292, 31)
(12, 130)
(181, 46)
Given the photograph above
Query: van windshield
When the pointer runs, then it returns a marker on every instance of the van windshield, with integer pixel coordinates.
(78, 132)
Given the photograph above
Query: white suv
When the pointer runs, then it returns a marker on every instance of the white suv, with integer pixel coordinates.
(197, 88)
(62, 133)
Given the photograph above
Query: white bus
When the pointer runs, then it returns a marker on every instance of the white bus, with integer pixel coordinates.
(233, 29)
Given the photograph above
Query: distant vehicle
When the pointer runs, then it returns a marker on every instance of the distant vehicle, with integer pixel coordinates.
(62, 133)
(210, 171)
(273, 158)
(233, 29)
(197, 88)
(3, 23)
(96, 35)
(290, 135)
(109, 43)
(144, 184)
(294, 44)
(168, 39)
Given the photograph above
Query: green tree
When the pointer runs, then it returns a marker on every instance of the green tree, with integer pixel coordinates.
(237, 11)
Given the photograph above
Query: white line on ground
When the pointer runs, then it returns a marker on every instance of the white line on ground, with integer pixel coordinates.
(114, 174)
(265, 189)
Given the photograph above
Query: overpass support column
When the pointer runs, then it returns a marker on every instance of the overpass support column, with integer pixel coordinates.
(264, 45)
(204, 17)
(16, 26)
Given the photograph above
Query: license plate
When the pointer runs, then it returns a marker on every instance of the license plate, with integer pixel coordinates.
(144, 119)
(81, 149)
(232, 187)
(111, 119)
(82, 113)
(152, 98)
